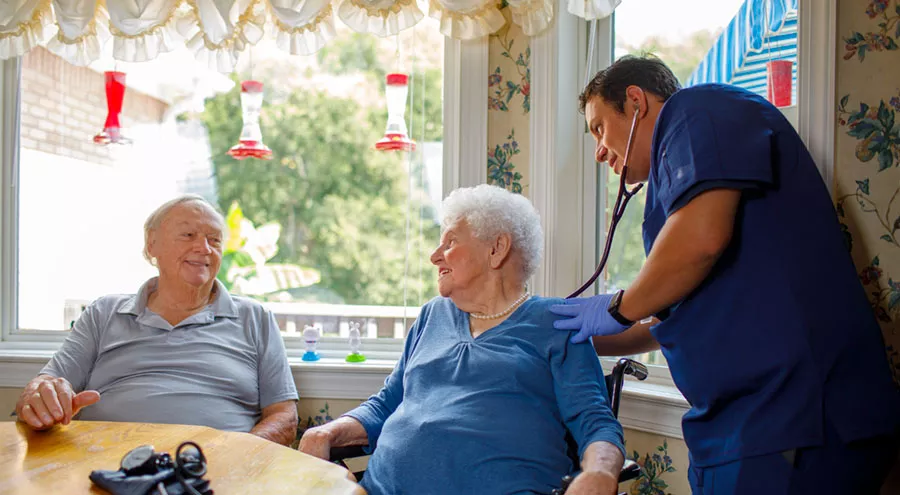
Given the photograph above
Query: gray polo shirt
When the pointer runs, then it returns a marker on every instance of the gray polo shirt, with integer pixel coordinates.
(217, 368)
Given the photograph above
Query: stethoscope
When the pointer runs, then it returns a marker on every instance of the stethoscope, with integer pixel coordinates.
(622, 200)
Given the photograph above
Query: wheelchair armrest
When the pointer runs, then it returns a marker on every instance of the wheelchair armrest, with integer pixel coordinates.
(633, 368)
(631, 470)
(615, 380)
(348, 452)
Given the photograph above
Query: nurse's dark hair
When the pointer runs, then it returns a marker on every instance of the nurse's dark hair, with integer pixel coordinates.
(646, 72)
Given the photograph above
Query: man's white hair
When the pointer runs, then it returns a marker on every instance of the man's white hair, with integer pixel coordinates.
(156, 218)
(490, 211)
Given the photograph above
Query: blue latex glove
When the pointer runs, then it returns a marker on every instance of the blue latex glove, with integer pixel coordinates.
(590, 317)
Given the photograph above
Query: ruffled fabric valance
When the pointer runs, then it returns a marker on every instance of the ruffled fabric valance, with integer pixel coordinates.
(217, 31)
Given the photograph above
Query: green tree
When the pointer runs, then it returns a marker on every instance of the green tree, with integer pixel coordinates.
(342, 206)
(426, 123)
(356, 52)
(682, 56)
(627, 253)
(362, 53)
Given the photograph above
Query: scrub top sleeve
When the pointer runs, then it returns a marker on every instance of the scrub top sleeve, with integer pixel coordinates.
(700, 153)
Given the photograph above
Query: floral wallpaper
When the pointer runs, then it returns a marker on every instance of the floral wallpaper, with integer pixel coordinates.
(867, 154)
(509, 102)
(664, 464)
(881, 38)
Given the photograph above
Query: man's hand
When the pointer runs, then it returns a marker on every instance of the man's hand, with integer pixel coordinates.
(590, 316)
(316, 442)
(593, 483)
(47, 401)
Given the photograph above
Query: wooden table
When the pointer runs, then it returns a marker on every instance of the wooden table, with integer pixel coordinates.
(58, 461)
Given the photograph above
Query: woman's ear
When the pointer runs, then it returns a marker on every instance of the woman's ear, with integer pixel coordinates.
(500, 250)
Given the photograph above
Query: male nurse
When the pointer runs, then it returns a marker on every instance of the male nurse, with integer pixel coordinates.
(762, 319)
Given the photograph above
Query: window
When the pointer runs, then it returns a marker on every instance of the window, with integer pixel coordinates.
(345, 230)
(684, 46)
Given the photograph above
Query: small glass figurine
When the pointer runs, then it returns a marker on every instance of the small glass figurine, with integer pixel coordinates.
(355, 341)
(311, 337)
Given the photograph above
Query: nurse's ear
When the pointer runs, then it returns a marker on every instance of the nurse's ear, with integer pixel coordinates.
(638, 99)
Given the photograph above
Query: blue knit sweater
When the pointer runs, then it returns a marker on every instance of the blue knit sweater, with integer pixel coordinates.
(486, 415)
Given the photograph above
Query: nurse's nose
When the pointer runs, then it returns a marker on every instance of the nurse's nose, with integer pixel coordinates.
(601, 153)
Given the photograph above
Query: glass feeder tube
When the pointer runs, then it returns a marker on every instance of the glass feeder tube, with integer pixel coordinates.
(250, 143)
(395, 135)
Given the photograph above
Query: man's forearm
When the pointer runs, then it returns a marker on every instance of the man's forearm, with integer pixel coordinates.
(604, 458)
(635, 340)
(280, 427)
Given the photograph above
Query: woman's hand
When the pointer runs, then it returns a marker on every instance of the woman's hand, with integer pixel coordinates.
(593, 483)
(316, 442)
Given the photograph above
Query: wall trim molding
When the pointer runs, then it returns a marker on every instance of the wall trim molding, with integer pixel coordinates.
(465, 113)
(556, 166)
(816, 98)
(542, 122)
(652, 409)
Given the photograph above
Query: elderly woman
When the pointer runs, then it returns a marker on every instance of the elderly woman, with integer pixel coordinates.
(485, 390)
(182, 350)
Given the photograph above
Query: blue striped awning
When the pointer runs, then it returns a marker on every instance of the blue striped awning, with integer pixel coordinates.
(762, 30)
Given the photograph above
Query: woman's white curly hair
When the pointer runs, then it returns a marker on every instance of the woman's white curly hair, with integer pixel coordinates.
(490, 211)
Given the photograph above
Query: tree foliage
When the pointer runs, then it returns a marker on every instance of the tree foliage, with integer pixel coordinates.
(682, 56)
(342, 205)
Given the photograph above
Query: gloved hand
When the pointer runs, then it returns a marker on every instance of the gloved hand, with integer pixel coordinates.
(591, 317)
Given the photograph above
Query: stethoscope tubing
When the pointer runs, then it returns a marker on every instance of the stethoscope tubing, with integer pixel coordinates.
(622, 199)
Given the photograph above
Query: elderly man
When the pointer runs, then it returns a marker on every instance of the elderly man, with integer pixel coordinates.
(182, 350)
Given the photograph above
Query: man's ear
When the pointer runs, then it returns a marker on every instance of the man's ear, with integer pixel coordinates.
(500, 250)
(151, 242)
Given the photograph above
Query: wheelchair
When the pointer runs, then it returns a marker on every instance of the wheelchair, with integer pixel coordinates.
(614, 384)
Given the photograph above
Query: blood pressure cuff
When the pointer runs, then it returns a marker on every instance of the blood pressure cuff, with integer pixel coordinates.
(119, 483)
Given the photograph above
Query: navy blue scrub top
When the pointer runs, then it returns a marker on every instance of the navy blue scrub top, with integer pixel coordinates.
(780, 337)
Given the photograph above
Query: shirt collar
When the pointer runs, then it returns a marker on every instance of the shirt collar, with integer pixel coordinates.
(222, 306)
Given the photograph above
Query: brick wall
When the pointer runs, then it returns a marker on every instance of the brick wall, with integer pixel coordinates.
(64, 107)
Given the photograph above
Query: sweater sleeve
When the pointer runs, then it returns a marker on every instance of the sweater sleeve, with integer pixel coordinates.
(375, 411)
(582, 397)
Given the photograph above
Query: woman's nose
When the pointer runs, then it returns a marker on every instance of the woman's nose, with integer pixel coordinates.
(436, 256)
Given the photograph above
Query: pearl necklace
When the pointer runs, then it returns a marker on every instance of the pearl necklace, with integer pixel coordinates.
(504, 312)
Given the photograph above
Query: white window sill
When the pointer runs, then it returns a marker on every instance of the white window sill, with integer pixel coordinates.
(650, 406)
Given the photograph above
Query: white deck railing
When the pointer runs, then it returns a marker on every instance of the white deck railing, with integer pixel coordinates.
(334, 319)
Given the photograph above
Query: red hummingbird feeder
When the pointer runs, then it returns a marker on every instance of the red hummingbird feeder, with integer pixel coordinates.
(115, 94)
(250, 143)
(395, 136)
